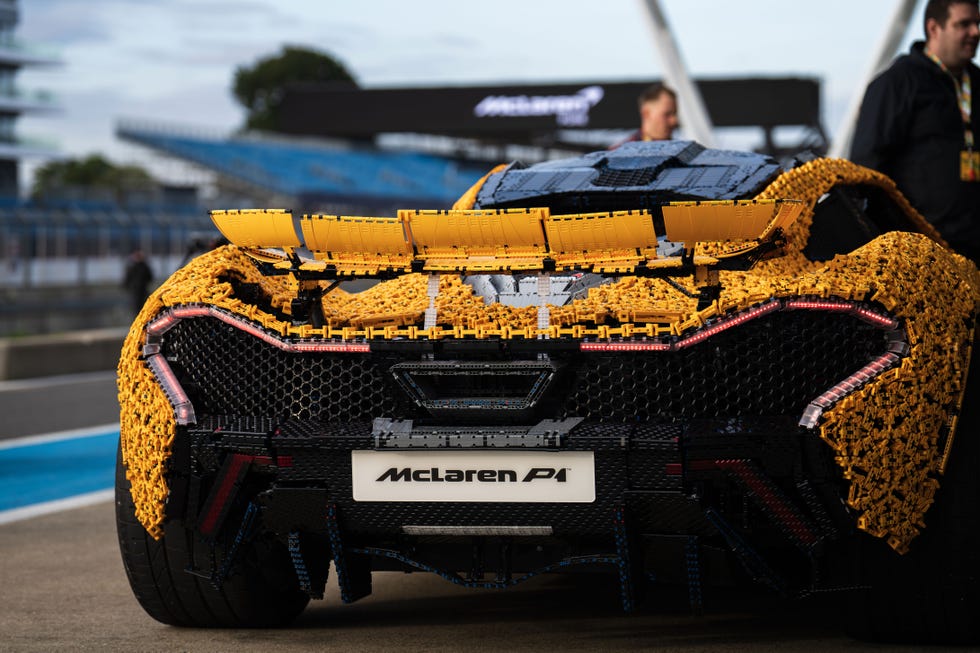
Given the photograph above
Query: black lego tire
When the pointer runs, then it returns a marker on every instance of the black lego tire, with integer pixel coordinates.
(931, 595)
(262, 592)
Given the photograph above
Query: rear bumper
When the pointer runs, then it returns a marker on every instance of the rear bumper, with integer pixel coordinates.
(667, 476)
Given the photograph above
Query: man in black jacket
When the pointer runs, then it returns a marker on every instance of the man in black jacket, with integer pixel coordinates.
(137, 279)
(919, 124)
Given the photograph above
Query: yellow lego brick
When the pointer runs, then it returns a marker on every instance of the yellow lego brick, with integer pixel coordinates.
(599, 260)
(492, 232)
(313, 266)
(585, 232)
(787, 211)
(664, 263)
(614, 267)
(358, 244)
(267, 256)
(257, 227)
(484, 264)
(603, 242)
(691, 222)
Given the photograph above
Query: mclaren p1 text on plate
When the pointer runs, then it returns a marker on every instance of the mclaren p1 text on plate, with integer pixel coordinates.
(478, 477)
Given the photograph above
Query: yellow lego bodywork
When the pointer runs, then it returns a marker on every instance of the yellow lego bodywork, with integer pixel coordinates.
(885, 436)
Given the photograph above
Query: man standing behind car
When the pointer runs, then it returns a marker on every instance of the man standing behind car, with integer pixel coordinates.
(137, 279)
(919, 124)
(658, 115)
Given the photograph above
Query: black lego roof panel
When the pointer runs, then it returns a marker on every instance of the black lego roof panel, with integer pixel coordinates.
(635, 175)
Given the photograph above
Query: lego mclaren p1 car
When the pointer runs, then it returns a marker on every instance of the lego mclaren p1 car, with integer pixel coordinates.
(673, 363)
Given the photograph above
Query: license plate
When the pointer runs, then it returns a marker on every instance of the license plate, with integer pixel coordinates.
(474, 476)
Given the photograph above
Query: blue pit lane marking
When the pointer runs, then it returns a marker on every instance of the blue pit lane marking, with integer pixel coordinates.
(42, 469)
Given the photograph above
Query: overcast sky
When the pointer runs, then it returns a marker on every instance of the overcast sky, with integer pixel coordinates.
(172, 61)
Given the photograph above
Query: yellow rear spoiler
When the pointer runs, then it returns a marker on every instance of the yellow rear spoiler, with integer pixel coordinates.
(483, 241)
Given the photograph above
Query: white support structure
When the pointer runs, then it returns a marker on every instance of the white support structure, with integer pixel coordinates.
(693, 114)
(883, 55)
(432, 312)
(544, 294)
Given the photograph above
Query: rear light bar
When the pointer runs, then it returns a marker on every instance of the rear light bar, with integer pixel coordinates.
(850, 308)
(170, 318)
(624, 346)
(728, 323)
(846, 387)
(183, 409)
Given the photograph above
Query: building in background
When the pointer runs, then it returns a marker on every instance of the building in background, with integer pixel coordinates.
(15, 101)
(488, 121)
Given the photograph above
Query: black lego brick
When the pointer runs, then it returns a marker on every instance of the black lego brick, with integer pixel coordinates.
(639, 175)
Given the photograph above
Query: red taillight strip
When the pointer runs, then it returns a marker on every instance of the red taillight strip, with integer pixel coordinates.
(844, 307)
(703, 334)
(278, 461)
(230, 476)
(772, 500)
(183, 409)
(846, 387)
(162, 324)
(170, 318)
(724, 325)
(624, 346)
(875, 318)
(850, 308)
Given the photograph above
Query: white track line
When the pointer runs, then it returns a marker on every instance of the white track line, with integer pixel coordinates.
(46, 438)
(49, 507)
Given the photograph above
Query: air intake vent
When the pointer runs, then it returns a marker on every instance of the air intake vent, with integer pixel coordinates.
(634, 177)
(460, 385)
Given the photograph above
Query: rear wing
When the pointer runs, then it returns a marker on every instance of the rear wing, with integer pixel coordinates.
(509, 241)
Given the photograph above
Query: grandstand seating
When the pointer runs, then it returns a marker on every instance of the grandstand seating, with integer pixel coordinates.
(56, 251)
(303, 170)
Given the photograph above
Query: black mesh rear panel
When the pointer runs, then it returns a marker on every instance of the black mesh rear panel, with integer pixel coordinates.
(774, 365)
(228, 372)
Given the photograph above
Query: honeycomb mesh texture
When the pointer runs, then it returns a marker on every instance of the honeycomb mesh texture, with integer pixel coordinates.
(228, 372)
(773, 365)
(635, 177)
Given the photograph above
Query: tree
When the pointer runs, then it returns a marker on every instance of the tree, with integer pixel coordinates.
(259, 88)
(93, 173)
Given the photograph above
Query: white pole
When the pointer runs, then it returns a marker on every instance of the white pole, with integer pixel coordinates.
(887, 47)
(693, 115)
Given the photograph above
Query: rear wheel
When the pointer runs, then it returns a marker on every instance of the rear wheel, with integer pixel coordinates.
(931, 594)
(260, 591)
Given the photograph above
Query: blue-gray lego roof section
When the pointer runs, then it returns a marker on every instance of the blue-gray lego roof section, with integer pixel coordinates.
(303, 169)
(634, 175)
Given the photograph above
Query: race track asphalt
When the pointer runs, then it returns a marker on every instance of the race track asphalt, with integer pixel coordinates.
(64, 589)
